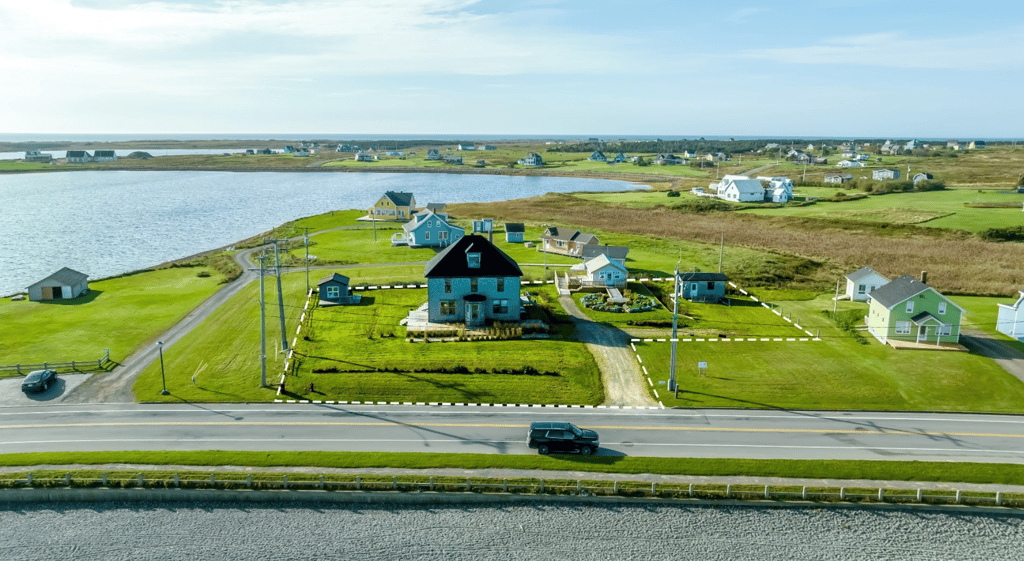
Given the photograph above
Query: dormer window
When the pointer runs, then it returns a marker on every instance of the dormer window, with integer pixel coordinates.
(473, 260)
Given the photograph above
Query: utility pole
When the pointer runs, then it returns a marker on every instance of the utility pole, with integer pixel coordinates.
(306, 237)
(672, 387)
(263, 327)
(280, 296)
(835, 301)
(721, 253)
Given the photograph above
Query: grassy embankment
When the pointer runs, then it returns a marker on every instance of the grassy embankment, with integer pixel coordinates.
(1008, 474)
(120, 314)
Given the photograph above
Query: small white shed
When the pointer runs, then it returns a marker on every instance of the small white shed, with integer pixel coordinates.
(861, 282)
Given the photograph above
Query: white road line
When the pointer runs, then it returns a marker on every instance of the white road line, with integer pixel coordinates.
(639, 359)
(634, 347)
(650, 383)
(645, 370)
(656, 396)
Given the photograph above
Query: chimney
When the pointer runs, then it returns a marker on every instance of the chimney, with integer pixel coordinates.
(924, 277)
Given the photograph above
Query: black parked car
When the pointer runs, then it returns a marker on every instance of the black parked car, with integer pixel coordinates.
(38, 381)
(556, 437)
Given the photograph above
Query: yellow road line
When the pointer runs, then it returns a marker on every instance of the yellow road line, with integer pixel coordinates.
(498, 425)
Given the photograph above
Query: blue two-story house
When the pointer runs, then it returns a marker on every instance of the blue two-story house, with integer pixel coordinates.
(428, 229)
(473, 282)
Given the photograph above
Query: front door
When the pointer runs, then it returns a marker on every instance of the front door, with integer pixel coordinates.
(474, 314)
(922, 333)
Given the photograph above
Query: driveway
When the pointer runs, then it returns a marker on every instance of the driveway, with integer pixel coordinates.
(1007, 357)
(12, 396)
(620, 372)
(116, 386)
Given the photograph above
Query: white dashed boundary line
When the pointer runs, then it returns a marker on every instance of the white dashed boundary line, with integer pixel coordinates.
(295, 340)
(438, 404)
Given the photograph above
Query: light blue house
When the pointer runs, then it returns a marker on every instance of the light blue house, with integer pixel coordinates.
(515, 232)
(1011, 319)
(598, 156)
(428, 229)
(472, 282)
(702, 287)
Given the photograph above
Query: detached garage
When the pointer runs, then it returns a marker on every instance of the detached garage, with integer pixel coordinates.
(65, 284)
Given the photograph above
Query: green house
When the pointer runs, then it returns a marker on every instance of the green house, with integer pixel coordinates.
(907, 309)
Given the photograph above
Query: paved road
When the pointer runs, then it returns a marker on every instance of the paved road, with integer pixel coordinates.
(502, 430)
(620, 372)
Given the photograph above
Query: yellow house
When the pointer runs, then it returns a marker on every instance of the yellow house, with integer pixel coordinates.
(394, 205)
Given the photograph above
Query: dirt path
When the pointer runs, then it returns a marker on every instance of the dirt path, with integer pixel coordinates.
(1007, 357)
(620, 373)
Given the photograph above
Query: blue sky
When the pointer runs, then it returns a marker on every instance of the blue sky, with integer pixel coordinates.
(871, 68)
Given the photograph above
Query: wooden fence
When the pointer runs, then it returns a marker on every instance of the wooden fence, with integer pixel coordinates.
(74, 365)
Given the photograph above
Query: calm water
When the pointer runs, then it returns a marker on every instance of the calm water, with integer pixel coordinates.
(107, 222)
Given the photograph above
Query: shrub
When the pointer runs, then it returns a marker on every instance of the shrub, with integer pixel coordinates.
(1009, 234)
(673, 193)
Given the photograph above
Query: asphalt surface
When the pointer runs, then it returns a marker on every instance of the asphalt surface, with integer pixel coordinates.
(12, 396)
(1007, 357)
(502, 430)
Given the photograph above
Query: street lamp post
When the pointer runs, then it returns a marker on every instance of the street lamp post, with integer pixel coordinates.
(160, 345)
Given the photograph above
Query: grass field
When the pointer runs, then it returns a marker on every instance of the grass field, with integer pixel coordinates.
(358, 353)
(120, 314)
(223, 352)
(965, 472)
(836, 373)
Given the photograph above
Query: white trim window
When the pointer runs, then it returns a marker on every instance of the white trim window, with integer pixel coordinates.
(426, 235)
(942, 308)
(333, 291)
(902, 328)
(447, 307)
(862, 289)
(910, 306)
(945, 330)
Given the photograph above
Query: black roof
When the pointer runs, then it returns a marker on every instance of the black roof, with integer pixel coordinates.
(515, 227)
(702, 277)
(452, 261)
(334, 277)
(399, 198)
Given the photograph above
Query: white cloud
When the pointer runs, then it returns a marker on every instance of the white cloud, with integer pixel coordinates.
(744, 14)
(1001, 48)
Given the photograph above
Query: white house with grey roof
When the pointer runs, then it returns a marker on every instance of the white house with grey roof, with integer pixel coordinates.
(472, 282)
(600, 271)
(1011, 319)
(740, 188)
(862, 282)
(65, 284)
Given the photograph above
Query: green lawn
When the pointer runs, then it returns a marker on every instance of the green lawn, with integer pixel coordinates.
(358, 353)
(223, 352)
(622, 319)
(836, 373)
(934, 209)
(119, 314)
